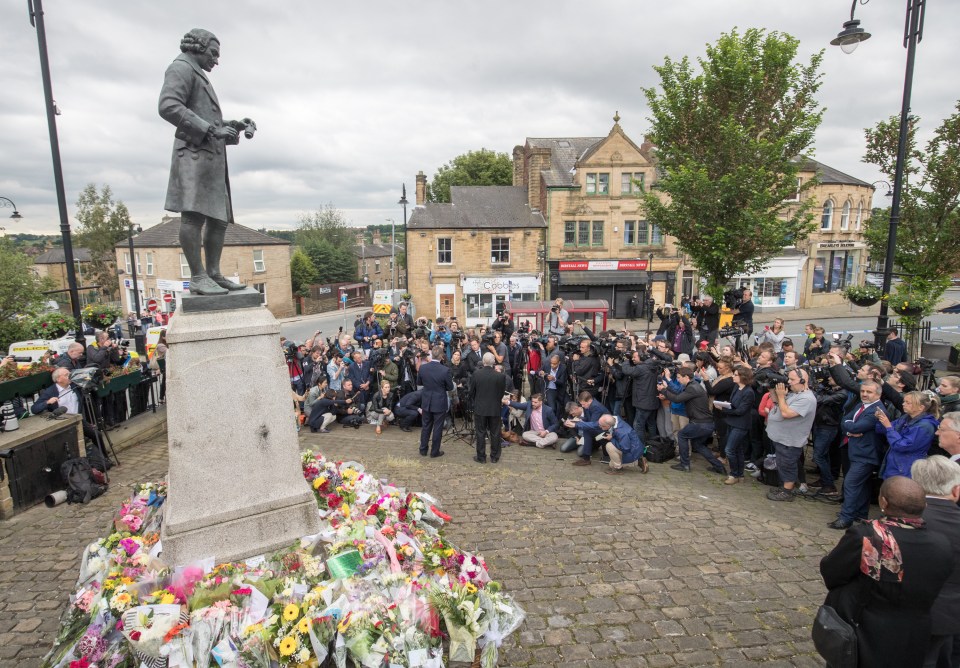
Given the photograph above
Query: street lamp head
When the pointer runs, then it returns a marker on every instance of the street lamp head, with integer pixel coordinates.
(16, 215)
(850, 37)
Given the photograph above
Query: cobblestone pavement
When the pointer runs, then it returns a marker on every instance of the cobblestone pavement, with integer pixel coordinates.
(661, 569)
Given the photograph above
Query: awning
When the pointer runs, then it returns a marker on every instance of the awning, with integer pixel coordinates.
(604, 278)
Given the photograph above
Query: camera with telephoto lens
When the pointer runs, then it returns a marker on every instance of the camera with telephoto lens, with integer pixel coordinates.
(733, 298)
(570, 344)
(731, 332)
(767, 377)
(378, 357)
(22, 359)
(843, 342)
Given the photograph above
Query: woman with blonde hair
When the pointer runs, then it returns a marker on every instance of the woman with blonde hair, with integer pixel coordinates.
(910, 435)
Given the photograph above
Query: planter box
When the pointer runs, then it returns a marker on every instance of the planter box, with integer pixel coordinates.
(24, 387)
(120, 383)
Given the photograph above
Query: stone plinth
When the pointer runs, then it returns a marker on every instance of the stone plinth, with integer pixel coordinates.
(236, 487)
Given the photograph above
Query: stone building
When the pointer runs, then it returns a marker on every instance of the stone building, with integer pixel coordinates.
(600, 246)
(375, 262)
(52, 264)
(260, 261)
(468, 257)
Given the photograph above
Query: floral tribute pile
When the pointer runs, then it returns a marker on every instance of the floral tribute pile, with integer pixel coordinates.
(378, 587)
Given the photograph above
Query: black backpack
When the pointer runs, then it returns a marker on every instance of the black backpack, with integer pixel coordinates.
(83, 482)
(660, 449)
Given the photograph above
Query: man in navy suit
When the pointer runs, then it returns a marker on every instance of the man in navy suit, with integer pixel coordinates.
(540, 422)
(859, 426)
(436, 381)
(591, 410)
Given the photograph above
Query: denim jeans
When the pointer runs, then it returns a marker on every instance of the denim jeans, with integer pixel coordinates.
(644, 422)
(695, 436)
(822, 440)
(856, 491)
(736, 442)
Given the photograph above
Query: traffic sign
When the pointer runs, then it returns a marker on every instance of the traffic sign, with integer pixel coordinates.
(152, 305)
(167, 297)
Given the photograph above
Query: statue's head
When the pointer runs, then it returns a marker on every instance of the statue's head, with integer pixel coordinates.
(203, 47)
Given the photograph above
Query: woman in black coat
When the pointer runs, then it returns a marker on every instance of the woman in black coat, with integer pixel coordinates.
(884, 575)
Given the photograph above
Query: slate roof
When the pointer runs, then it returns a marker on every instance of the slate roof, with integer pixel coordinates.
(564, 153)
(56, 256)
(828, 174)
(375, 250)
(479, 207)
(167, 234)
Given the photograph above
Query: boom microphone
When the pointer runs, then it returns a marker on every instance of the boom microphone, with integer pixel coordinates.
(56, 412)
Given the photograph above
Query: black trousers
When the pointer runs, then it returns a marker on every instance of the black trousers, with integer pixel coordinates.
(488, 425)
(432, 425)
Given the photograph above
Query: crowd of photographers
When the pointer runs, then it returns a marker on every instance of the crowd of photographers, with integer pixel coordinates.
(748, 402)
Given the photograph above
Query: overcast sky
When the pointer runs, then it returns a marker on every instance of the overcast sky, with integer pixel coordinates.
(352, 99)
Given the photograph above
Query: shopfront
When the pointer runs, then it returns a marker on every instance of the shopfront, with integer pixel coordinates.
(835, 266)
(777, 285)
(485, 296)
(616, 281)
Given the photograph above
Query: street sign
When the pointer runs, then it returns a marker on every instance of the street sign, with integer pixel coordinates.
(152, 305)
(167, 297)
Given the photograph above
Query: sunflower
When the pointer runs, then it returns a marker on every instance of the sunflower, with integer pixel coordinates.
(288, 646)
(304, 625)
(291, 612)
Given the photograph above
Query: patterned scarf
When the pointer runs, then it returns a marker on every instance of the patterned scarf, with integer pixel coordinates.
(880, 549)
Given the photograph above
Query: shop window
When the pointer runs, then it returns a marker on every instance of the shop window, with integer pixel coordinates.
(479, 306)
(445, 250)
(833, 271)
(500, 250)
(826, 218)
(631, 184)
(598, 183)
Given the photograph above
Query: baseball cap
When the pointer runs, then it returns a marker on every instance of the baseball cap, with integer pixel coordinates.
(683, 357)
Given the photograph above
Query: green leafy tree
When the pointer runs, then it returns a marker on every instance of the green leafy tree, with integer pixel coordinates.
(928, 233)
(302, 273)
(21, 294)
(728, 139)
(473, 168)
(103, 223)
(328, 242)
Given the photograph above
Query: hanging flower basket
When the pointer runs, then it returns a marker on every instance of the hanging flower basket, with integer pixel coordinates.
(100, 316)
(51, 325)
(863, 295)
(908, 311)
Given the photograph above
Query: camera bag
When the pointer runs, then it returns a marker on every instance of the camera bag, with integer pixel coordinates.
(660, 449)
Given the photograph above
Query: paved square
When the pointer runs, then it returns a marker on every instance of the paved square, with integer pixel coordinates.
(661, 569)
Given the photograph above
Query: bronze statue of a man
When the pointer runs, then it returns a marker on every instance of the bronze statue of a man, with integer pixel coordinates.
(199, 187)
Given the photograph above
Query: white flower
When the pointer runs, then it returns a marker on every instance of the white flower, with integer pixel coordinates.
(304, 655)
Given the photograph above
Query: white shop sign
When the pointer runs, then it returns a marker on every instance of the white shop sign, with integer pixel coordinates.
(500, 285)
(171, 286)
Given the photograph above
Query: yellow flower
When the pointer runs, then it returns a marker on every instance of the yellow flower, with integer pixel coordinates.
(168, 599)
(471, 588)
(345, 509)
(288, 646)
(291, 612)
(304, 625)
(317, 482)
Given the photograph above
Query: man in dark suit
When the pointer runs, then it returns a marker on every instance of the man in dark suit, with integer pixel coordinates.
(859, 427)
(590, 413)
(407, 410)
(554, 375)
(487, 388)
(436, 381)
(940, 479)
(894, 350)
(199, 186)
(884, 575)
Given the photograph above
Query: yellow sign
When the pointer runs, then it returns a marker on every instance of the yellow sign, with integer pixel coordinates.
(382, 309)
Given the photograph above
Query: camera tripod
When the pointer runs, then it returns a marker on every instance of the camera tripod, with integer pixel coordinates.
(100, 436)
(464, 431)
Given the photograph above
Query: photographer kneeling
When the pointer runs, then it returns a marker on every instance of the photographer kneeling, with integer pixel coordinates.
(699, 429)
(380, 408)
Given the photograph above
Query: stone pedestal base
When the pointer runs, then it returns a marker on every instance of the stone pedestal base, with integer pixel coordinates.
(236, 487)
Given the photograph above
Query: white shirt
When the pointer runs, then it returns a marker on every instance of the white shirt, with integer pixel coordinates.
(68, 398)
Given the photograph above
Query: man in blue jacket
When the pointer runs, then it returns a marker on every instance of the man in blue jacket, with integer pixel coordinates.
(859, 426)
(540, 422)
(624, 446)
(589, 415)
(367, 332)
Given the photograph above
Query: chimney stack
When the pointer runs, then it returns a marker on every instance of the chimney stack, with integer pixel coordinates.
(376, 237)
(519, 175)
(421, 188)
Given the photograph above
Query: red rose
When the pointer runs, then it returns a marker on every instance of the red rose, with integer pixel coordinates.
(134, 636)
(403, 514)
(372, 510)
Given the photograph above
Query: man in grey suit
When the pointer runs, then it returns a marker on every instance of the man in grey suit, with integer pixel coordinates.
(199, 186)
